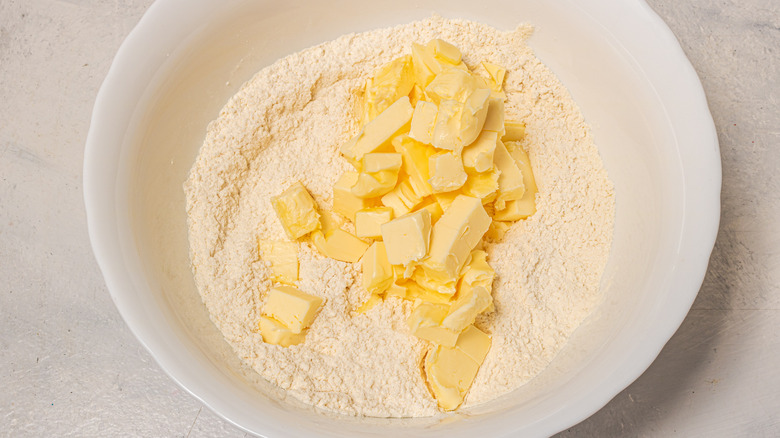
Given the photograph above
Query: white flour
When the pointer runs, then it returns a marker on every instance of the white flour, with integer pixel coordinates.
(287, 123)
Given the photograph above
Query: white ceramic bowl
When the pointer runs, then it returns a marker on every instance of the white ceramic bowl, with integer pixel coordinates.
(622, 65)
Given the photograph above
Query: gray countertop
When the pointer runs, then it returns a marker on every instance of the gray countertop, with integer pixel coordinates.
(70, 367)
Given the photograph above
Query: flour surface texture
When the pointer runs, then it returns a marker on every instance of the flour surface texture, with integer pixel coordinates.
(286, 125)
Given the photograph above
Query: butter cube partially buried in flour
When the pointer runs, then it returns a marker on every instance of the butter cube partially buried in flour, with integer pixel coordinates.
(283, 257)
(425, 323)
(296, 310)
(368, 221)
(274, 332)
(296, 211)
(406, 238)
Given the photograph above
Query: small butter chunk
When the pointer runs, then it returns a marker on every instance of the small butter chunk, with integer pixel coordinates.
(447, 126)
(496, 73)
(474, 343)
(423, 74)
(423, 119)
(344, 201)
(433, 208)
(425, 323)
(377, 133)
(390, 82)
(296, 211)
(368, 222)
(452, 84)
(378, 176)
(330, 222)
(494, 121)
(497, 231)
(445, 51)
(473, 116)
(294, 309)
(454, 236)
(340, 245)
(472, 301)
(477, 271)
(402, 199)
(274, 332)
(526, 206)
(283, 257)
(514, 130)
(478, 156)
(459, 123)
(447, 173)
(370, 303)
(377, 272)
(482, 185)
(415, 163)
(406, 238)
(510, 181)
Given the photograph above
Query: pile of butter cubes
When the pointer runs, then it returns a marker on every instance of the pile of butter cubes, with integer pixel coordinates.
(437, 171)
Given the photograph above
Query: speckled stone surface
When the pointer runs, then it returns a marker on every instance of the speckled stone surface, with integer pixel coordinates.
(70, 367)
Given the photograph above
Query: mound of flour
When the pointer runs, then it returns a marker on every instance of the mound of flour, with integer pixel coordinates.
(287, 123)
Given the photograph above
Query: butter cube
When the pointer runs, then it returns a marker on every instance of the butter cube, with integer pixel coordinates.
(514, 130)
(446, 199)
(296, 211)
(296, 310)
(415, 162)
(447, 173)
(433, 208)
(526, 206)
(417, 94)
(344, 201)
(497, 230)
(496, 73)
(423, 74)
(423, 120)
(454, 236)
(447, 127)
(330, 222)
(402, 199)
(376, 134)
(472, 300)
(406, 238)
(274, 332)
(494, 121)
(451, 84)
(378, 176)
(368, 222)
(283, 257)
(445, 51)
(510, 181)
(433, 288)
(477, 271)
(377, 272)
(390, 82)
(459, 123)
(425, 323)
(473, 116)
(340, 245)
(478, 156)
(474, 343)
(482, 185)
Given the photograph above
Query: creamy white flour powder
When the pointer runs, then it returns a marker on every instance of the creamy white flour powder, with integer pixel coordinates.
(286, 125)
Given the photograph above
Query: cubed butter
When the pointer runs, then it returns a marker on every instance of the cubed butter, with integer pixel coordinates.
(514, 130)
(340, 245)
(444, 50)
(344, 201)
(477, 271)
(423, 74)
(473, 116)
(447, 126)
(423, 119)
(296, 310)
(496, 73)
(415, 162)
(368, 222)
(451, 84)
(296, 211)
(377, 272)
(446, 170)
(482, 185)
(274, 332)
(497, 230)
(510, 181)
(390, 82)
(454, 236)
(526, 206)
(478, 156)
(406, 238)
(474, 343)
(402, 199)
(376, 134)
(425, 323)
(434, 208)
(472, 300)
(494, 121)
(378, 176)
(283, 257)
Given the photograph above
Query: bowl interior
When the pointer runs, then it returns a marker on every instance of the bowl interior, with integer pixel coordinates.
(207, 54)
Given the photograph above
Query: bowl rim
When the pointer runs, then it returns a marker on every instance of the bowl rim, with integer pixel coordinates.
(682, 96)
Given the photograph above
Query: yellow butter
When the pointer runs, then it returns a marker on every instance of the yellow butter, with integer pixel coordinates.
(378, 176)
(446, 129)
(406, 238)
(330, 222)
(497, 230)
(402, 199)
(433, 208)
(446, 199)
(423, 74)
(473, 115)
(482, 185)
(451, 84)
(425, 323)
(423, 120)
(340, 245)
(377, 272)
(510, 181)
(446, 51)
(454, 236)
(344, 201)
(283, 257)
(415, 162)
(477, 271)
(472, 300)
(296, 211)
(370, 303)
(494, 121)
(446, 170)
(526, 206)
(368, 221)
(478, 156)
(496, 73)
(432, 288)
(474, 343)
(514, 130)
(390, 82)
(296, 310)
(274, 332)
(376, 134)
